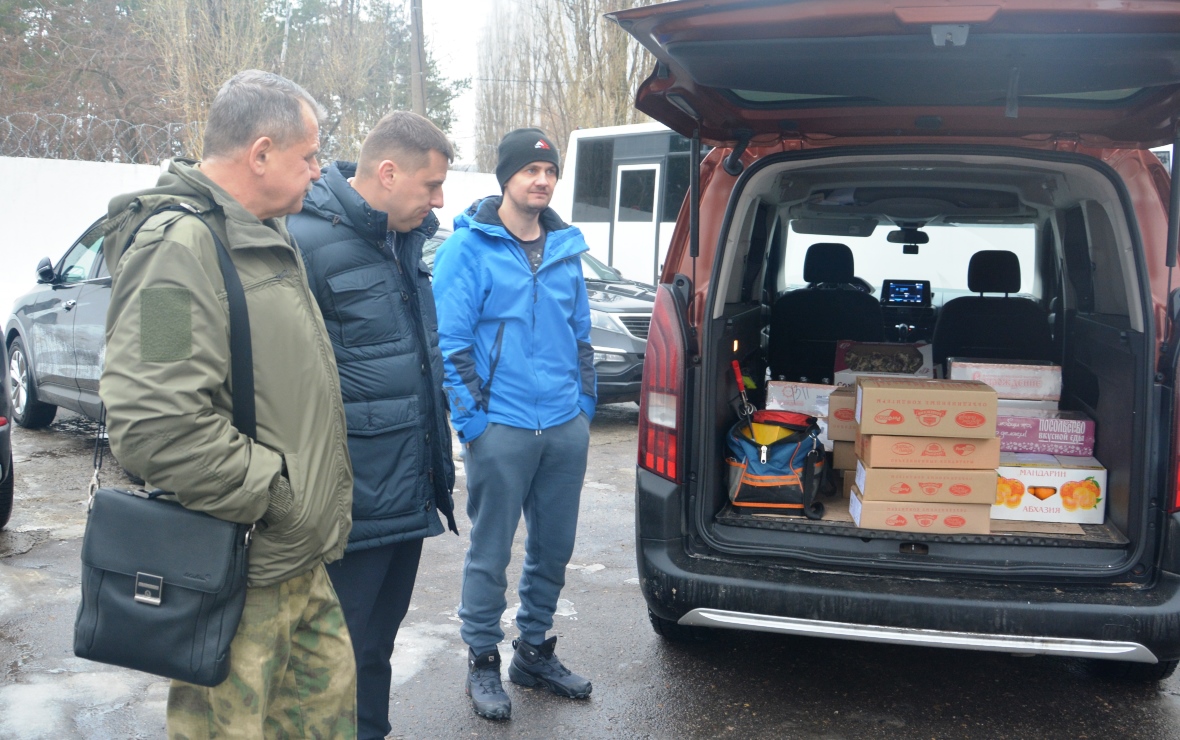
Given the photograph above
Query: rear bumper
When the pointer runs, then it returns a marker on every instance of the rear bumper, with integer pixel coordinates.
(1111, 622)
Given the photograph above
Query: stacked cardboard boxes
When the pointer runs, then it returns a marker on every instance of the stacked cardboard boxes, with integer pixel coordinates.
(926, 453)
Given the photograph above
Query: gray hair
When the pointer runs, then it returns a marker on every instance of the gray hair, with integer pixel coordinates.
(253, 104)
(406, 138)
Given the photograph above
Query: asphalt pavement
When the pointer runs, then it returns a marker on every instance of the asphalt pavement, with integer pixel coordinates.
(739, 685)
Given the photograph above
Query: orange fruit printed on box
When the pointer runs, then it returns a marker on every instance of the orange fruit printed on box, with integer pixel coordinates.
(945, 486)
(920, 516)
(957, 453)
(925, 408)
(1050, 488)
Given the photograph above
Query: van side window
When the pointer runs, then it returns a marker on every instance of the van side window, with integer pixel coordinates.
(592, 181)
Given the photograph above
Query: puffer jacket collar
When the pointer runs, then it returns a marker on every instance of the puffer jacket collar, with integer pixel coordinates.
(333, 198)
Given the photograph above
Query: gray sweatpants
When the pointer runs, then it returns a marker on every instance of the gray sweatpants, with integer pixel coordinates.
(510, 471)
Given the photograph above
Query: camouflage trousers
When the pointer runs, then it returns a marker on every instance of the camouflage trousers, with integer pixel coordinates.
(292, 671)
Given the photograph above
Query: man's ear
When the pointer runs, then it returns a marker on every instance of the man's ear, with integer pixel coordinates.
(388, 172)
(259, 153)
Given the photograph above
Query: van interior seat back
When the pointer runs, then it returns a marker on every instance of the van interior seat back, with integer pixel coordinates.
(992, 327)
(805, 324)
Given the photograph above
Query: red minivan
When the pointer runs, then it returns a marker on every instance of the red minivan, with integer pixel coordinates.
(993, 158)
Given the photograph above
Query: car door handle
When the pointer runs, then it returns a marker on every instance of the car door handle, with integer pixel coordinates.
(68, 305)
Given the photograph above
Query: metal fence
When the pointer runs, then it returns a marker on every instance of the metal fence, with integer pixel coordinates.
(57, 136)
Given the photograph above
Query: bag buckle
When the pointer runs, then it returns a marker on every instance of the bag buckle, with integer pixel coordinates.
(148, 588)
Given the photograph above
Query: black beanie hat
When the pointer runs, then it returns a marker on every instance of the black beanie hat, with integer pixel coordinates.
(522, 146)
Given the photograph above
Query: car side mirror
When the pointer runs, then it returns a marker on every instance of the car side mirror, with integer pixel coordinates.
(45, 273)
(618, 273)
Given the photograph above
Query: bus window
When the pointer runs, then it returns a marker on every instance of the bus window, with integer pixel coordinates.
(592, 181)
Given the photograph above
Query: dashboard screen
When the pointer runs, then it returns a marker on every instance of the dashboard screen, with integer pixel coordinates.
(906, 293)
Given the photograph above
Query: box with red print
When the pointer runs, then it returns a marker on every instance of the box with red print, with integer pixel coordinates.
(925, 408)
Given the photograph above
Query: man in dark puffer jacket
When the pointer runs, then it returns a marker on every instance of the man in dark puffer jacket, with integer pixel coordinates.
(361, 233)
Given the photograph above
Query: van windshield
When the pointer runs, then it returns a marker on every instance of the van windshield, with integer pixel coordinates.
(943, 261)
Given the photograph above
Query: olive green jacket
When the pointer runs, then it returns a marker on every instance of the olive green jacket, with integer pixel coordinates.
(166, 377)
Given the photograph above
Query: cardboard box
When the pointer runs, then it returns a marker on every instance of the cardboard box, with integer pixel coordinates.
(1048, 432)
(905, 484)
(865, 359)
(842, 424)
(1017, 379)
(803, 398)
(849, 479)
(952, 453)
(925, 408)
(844, 455)
(918, 517)
(1050, 488)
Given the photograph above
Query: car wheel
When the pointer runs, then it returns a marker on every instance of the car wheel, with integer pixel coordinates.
(6, 488)
(676, 632)
(26, 409)
(1124, 672)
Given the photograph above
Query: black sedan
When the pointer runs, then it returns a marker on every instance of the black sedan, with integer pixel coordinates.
(620, 311)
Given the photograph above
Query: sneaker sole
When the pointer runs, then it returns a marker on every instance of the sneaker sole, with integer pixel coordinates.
(521, 678)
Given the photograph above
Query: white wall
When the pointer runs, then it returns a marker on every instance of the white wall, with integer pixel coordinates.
(461, 190)
(45, 204)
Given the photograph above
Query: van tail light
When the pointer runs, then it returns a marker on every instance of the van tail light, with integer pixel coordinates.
(3, 421)
(661, 400)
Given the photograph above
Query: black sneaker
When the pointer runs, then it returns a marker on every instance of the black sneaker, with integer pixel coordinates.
(536, 665)
(484, 687)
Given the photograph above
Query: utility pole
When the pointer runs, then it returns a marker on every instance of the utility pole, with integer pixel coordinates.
(417, 57)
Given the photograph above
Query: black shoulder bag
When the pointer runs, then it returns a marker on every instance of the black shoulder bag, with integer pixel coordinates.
(163, 587)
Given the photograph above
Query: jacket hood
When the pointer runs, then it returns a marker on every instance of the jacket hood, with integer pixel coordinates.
(334, 199)
(181, 183)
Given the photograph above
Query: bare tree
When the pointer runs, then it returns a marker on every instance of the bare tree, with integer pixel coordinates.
(558, 64)
(205, 42)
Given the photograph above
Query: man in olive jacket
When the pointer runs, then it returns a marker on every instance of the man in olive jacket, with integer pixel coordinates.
(169, 407)
(361, 233)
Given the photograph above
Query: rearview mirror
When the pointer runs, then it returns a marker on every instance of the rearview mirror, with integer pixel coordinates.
(908, 236)
(45, 273)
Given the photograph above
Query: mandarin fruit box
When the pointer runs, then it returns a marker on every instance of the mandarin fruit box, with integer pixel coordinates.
(1050, 488)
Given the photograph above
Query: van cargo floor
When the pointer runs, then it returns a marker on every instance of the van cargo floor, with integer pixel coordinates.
(837, 522)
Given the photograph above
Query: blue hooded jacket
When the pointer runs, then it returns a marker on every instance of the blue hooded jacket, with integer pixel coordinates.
(379, 312)
(515, 344)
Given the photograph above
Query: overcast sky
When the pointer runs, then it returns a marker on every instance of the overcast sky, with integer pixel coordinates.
(453, 29)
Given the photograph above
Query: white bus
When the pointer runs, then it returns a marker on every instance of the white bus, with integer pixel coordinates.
(623, 187)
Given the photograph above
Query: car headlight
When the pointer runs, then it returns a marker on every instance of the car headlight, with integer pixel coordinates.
(606, 322)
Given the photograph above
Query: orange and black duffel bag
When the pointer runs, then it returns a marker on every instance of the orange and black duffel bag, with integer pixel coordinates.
(776, 462)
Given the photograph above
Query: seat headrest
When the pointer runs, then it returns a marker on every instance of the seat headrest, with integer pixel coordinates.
(828, 263)
(994, 271)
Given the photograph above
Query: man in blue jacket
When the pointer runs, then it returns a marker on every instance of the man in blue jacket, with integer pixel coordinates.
(514, 328)
(361, 233)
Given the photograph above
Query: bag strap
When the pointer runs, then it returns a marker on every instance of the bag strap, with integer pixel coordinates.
(241, 352)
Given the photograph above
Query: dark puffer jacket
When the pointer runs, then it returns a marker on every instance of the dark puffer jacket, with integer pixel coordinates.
(375, 295)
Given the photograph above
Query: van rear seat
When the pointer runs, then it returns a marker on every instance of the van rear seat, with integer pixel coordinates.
(992, 327)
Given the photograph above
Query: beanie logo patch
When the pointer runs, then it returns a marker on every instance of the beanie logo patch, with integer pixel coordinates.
(541, 144)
